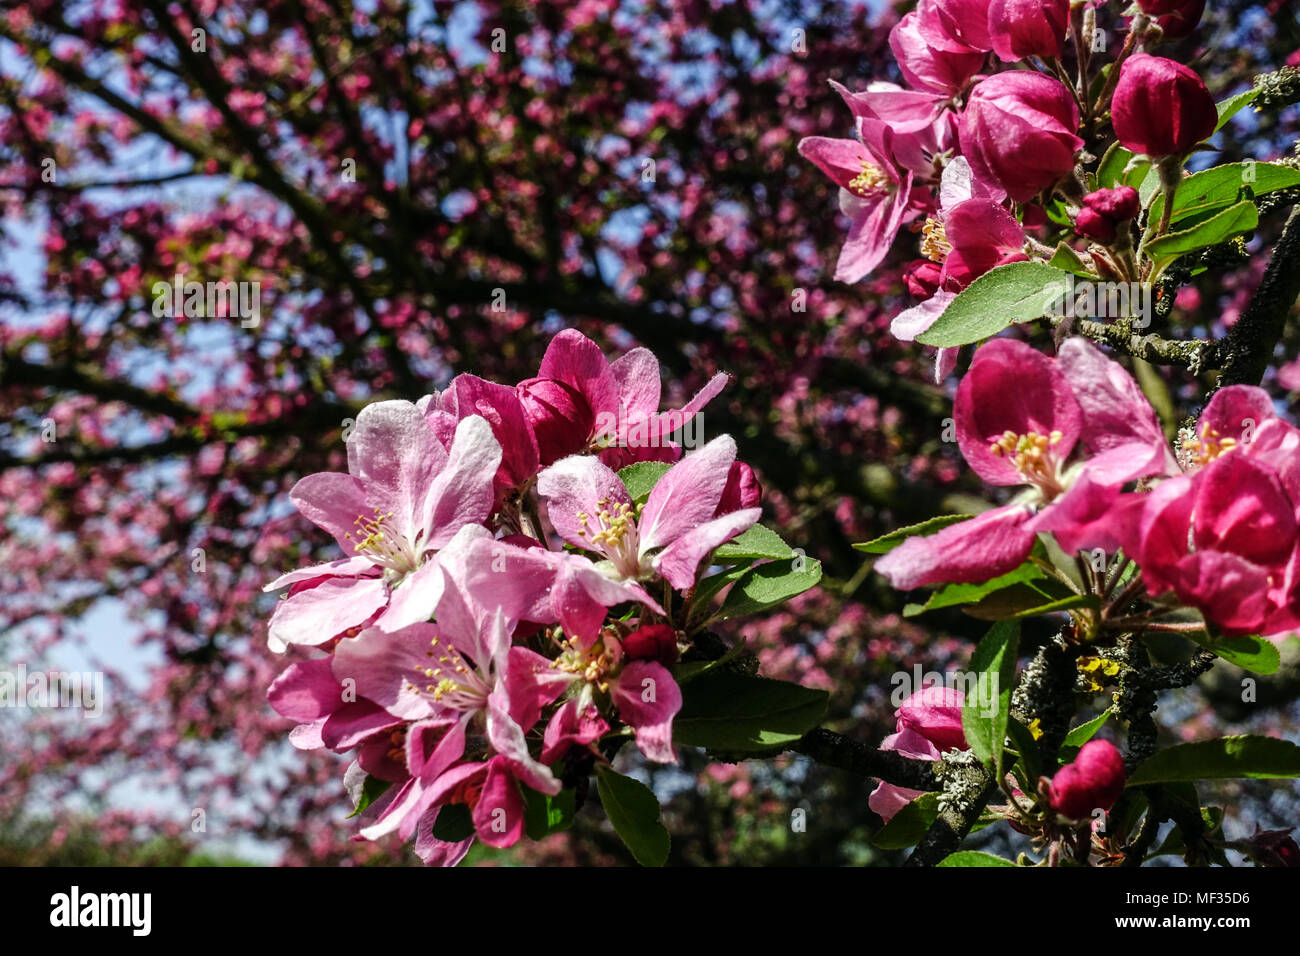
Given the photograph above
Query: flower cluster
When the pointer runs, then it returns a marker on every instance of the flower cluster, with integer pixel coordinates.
(463, 656)
(984, 157)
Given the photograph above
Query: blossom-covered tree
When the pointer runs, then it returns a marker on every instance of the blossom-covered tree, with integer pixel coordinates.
(524, 576)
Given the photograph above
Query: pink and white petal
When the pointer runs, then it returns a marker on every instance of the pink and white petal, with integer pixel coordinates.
(354, 567)
(574, 486)
(462, 494)
(319, 614)
(308, 736)
(678, 418)
(388, 667)
(945, 360)
(648, 699)
(987, 545)
(399, 458)
(687, 495)
(680, 561)
(397, 807)
(332, 501)
(910, 323)
(869, 240)
(305, 691)
(507, 738)
(414, 600)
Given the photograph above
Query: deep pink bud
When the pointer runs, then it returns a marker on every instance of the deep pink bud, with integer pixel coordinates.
(1176, 18)
(1094, 225)
(1094, 781)
(654, 642)
(560, 417)
(742, 490)
(1024, 28)
(1119, 204)
(1161, 108)
(1018, 130)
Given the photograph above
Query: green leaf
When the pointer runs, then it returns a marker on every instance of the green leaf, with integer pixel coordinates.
(733, 713)
(640, 477)
(954, 594)
(454, 823)
(973, 858)
(1066, 258)
(1026, 746)
(984, 714)
(888, 542)
(1255, 654)
(371, 791)
(708, 588)
(769, 584)
(1215, 189)
(1233, 221)
(544, 814)
(910, 824)
(756, 542)
(1084, 732)
(633, 809)
(1110, 171)
(1016, 292)
(1246, 755)
(1233, 105)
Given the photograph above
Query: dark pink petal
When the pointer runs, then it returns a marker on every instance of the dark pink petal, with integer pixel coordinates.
(976, 550)
(354, 722)
(1241, 507)
(1012, 387)
(1229, 590)
(637, 377)
(531, 684)
(398, 457)
(1235, 410)
(648, 699)
(935, 714)
(571, 727)
(840, 159)
(499, 813)
(507, 738)
(435, 852)
(576, 360)
(1163, 533)
(1115, 410)
(500, 406)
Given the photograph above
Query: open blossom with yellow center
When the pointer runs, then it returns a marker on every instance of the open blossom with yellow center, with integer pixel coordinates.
(379, 540)
(449, 681)
(1209, 446)
(612, 532)
(934, 241)
(1032, 456)
(592, 664)
(870, 181)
